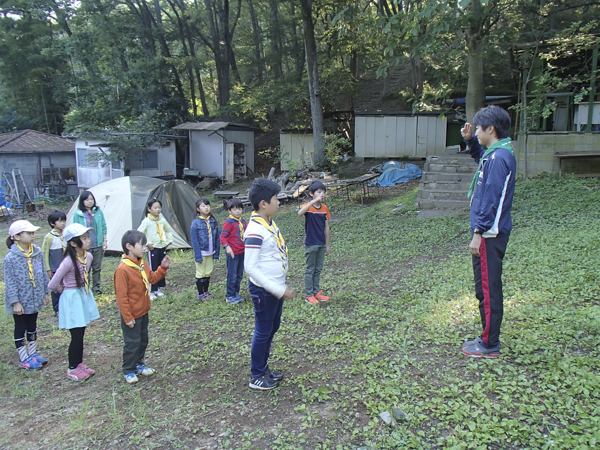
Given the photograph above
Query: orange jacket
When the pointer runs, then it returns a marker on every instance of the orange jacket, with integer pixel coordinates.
(130, 289)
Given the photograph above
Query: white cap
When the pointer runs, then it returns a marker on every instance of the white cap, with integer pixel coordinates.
(19, 226)
(74, 230)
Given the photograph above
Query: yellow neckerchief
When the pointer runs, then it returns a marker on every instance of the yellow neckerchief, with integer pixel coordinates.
(28, 255)
(128, 262)
(159, 230)
(207, 220)
(239, 221)
(276, 234)
(60, 236)
(86, 275)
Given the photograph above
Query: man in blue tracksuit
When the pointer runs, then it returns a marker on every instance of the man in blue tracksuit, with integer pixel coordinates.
(492, 193)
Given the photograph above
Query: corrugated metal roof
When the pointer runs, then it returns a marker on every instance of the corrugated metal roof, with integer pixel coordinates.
(30, 141)
(212, 126)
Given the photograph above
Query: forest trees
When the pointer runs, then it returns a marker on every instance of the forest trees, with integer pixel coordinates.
(146, 65)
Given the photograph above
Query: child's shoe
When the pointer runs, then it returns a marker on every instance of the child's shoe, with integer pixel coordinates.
(141, 369)
(86, 369)
(152, 295)
(77, 374)
(312, 300)
(30, 364)
(38, 358)
(240, 298)
(480, 350)
(232, 300)
(131, 378)
(477, 340)
(321, 297)
(159, 293)
(207, 295)
(275, 374)
(202, 296)
(264, 382)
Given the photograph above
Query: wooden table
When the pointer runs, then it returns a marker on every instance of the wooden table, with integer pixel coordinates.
(566, 155)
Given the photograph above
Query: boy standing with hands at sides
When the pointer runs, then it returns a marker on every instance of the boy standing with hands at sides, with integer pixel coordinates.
(317, 242)
(266, 262)
(132, 290)
(491, 194)
(53, 249)
(232, 240)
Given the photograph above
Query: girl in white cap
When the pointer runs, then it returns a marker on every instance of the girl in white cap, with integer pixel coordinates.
(77, 305)
(26, 289)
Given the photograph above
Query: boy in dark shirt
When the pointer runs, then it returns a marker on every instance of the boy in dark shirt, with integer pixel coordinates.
(317, 242)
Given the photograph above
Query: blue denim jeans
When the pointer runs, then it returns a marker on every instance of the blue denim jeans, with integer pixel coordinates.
(235, 273)
(267, 318)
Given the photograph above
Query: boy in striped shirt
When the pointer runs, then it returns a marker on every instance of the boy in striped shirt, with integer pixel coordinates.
(266, 263)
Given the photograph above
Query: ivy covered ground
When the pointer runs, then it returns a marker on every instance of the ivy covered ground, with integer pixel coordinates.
(402, 304)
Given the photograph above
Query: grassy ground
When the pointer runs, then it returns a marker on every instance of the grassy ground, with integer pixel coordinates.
(402, 303)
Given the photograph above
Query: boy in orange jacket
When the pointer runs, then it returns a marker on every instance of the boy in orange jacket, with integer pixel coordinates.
(132, 289)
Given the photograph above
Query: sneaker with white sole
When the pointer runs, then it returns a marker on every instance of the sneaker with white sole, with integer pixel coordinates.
(152, 295)
(264, 382)
(275, 374)
(39, 359)
(86, 369)
(30, 364)
(159, 293)
(141, 369)
(77, 374)
(480, 350)
(475, 341)
(131, 378)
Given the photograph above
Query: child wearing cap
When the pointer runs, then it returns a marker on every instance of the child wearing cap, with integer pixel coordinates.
(77, 305)
(26, 289)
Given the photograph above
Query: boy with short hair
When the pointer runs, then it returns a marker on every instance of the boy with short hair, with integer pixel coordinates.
(492, 193)
(53, 249)
(317, 242)
(266, 262)
(132, 282)
(232, 240)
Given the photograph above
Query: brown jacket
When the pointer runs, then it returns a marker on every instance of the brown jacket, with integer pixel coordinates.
(130, 289)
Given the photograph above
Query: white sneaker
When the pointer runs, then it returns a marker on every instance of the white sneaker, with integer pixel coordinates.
(152, 296)
(159, 293)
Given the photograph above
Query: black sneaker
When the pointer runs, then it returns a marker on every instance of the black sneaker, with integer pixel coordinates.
(274, 374)
(264, 382)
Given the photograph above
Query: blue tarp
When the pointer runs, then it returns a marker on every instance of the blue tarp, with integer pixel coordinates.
(393, 173)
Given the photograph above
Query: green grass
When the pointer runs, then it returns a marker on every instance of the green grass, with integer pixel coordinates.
(402, 303)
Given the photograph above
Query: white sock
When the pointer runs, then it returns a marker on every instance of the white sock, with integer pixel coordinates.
(22, 352)
(31, 347)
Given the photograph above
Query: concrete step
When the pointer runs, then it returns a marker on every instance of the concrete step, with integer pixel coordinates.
(462, 158)
(438, 194)
(445, 185)
(442, 204)
(449, 168)
(445, 176)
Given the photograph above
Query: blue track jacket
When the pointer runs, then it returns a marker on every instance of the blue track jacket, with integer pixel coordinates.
(492, 200)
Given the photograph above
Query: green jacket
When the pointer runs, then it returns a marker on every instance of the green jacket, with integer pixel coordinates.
(98, 223)
(148, 227)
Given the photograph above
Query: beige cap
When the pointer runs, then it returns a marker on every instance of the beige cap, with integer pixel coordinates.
(19, 226)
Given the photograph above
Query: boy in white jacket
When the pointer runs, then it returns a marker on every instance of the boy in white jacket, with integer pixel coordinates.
(266, 263)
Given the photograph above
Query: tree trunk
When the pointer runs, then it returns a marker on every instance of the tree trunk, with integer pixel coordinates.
(298, 49)
(314, 88)
(474, 36)
(257, 45)
(274, 31)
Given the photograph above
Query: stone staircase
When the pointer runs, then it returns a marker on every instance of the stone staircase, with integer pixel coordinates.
(446, 180)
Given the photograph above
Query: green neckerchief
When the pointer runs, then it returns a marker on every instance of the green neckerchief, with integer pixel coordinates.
(502, 143)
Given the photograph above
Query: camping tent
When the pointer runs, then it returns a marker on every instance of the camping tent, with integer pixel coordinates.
(123, 202)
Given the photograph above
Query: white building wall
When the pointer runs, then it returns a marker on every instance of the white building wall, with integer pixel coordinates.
(207, 153)
(297, 150)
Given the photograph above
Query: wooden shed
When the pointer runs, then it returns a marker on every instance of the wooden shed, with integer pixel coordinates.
(43, 159)
(221, 150)
(399, 134)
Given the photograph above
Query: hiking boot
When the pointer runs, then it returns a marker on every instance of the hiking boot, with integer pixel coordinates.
(86, 369)
(38, 358)
(477, 340)
(30, 364)
(312, 300)
(480, 350)
(159, 293)
(141, 369)
(77, 374)
(321, 297)
(263, 383)
(131, 378)
(275, 374)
